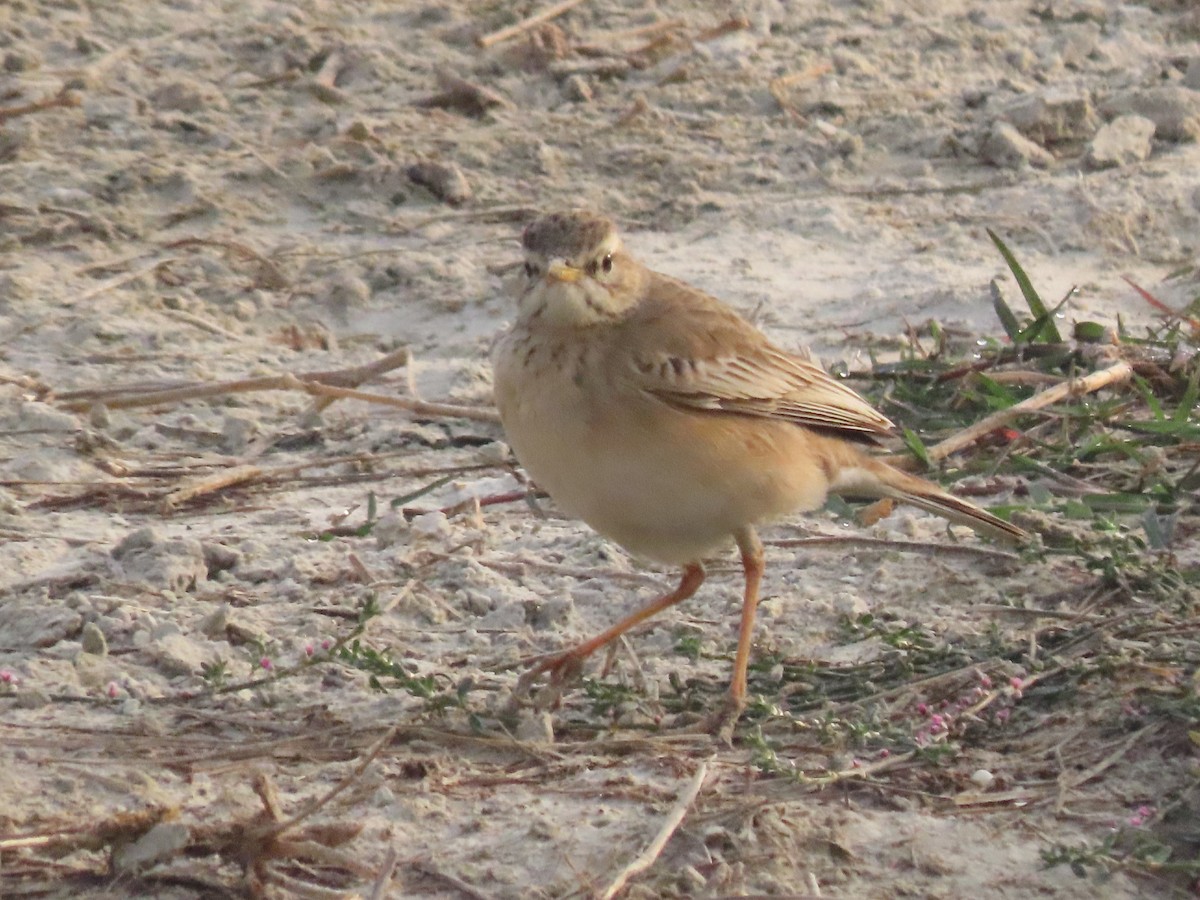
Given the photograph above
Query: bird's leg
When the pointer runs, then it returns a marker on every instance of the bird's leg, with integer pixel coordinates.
(564, 666)
(735, 701)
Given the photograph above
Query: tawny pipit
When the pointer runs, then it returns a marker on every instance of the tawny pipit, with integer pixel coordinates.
(670, 425)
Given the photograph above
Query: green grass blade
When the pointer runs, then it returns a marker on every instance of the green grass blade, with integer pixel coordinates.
(1184, 431)
(917, 447)
(1187, 403)
(406, 499)
(1009, 321)
(1047, 329)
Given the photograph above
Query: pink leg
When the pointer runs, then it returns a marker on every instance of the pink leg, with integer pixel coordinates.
(752, 565)
(564, 665)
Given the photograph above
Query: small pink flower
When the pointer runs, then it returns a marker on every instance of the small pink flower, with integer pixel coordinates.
(326, 644)
(309, 649)
(1002, 715)
(7, 676)
(922, 709)
(112, 690)
(984, 680)
(885, 753)
(266, 663)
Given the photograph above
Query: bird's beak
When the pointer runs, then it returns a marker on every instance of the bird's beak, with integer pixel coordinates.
(560, 271)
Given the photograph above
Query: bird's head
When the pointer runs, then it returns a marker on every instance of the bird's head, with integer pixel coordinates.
(576, 271)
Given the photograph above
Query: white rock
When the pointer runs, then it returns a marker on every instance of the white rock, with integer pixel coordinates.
(536, 729)
(1004, 146)
(44, 417)
(26, 626)
(1124, 140)
(433, 524)
(982, 779)
(1052, 117)
(162, 841)
(1192, 79)
(1174, 110)
(177, 654)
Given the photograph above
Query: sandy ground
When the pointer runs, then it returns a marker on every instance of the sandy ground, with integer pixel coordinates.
(250, 189)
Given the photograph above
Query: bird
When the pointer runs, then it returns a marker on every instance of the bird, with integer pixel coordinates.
(672, 426)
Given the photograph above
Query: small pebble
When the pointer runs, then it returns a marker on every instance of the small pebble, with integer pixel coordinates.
(1005, 147)
(92, 640)
(1124, 140)
(444, 180)
(982, 779)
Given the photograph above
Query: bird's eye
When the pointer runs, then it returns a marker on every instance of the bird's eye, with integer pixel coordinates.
(531, 269)
(600, 265)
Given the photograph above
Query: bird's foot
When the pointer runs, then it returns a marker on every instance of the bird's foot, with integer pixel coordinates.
(721, 722)
(563, 668)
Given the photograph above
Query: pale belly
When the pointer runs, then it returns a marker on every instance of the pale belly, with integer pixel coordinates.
(667, 484)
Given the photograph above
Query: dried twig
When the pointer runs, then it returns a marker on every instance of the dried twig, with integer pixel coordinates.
(318, 384)
(600, 43)
(202, 323)
(269, 275)
(927, 547)
(458, 93)
(359, 374)
(483, 214)
(123, 279)
(1071, 779)
(672, 822)
(729, 26)
(780, 86)
(210, 485)
(380, 889)
(524, 25)
(1114, 374)
(418, 407)
(61, 100)
(425, 867)
(356, 773)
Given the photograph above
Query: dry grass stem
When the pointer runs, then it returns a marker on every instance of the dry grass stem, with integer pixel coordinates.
(324, 385)
(118, 280)
(1114, 374)
(417, 407)
(202, 323)
(503, 34)
(729, 26)
(141, 395)
(268, 275)
(353, 776)
(383, 880)
(428, 869)
(599, 43)
(928, 548)
(669, 826)
(62, 100)
(239, 475)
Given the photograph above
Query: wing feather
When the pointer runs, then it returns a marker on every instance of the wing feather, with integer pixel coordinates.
(721, 364)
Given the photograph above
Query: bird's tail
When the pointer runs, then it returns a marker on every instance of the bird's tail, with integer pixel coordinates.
(870, 477)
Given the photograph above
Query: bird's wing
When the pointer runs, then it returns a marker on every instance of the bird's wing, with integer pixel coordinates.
(692, 352)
